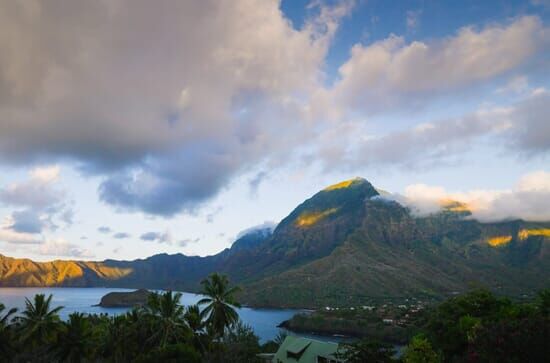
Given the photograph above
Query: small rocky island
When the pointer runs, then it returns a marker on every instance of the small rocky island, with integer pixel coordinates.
(124, 299)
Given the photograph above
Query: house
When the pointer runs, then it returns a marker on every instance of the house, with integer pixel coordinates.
(304, 350)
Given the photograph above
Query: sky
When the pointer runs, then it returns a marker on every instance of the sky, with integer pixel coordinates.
(132, 128)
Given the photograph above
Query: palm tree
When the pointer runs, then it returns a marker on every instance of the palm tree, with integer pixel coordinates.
(193, 318)
(4, 320)
(39, 323)
(6, 342)
(77, 340)
(194, 321)
(168, 317)
(220, 303)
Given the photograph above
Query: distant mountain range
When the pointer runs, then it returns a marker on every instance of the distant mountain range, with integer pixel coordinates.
(346, 245)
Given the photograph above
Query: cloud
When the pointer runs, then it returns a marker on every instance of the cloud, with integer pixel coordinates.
(413, 19)
(60, 247)
(516, 85)
(186, 242)
(210, 216)
(41, 204)
(207, 94)
(104, 229)
(26, 221)
(121, 235)
(266, 228)
(11, 236)
(531, 127)
(165, 237)
(38, 192)
(527, 200)
(255, 182)
(521, 128)
(391, 73)
(46, 174)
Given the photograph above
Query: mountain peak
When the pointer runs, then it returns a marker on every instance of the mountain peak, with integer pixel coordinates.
(346, 184)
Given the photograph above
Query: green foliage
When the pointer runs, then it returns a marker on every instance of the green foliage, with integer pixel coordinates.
(475, 327)
(478, 325)
(167, 317)
(172, 353)
(366, 350)
(240, 344)
(162, 330)
(40, 324)
(512, 340)
(420, 350)
(77, 339)
(543, 302)
(6, 332)
(220, 303)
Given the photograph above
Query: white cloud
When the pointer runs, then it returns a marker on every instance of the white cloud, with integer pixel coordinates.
(45, 174)
(61, 247)
(527, 200)
(38, 192)
(11, 236)
(391, 73)
(521, 128)
(516, 85)
(41, 203)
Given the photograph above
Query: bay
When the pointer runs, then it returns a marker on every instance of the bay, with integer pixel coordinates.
(263, 321)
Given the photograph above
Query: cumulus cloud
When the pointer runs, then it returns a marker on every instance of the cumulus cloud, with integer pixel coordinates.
(209, 99)
(390, 73)
(76, 83)
(10, 236)
(159, 237)
(521, 129)
(41, 205)
(38, 192)
(26, 221)
(531, 128)
(527, 200)
(121, 235)
(61, 247)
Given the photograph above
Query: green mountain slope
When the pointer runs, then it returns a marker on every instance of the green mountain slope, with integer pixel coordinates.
(346, 245)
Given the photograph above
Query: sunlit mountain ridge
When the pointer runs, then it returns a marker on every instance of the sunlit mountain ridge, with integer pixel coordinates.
(345, 245)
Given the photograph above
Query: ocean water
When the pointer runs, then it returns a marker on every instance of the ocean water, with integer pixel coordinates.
(263, 321)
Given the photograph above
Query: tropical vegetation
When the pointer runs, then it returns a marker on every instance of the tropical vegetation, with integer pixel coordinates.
(474, 327)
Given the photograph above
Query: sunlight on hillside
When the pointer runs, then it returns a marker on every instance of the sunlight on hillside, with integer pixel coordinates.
(499, 241)
(59, 272)
(454, 206)
(109, 273)
(341, 185)
(526, 233)
(308, 219)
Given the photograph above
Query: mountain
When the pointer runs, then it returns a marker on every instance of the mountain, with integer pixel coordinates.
(346, 245)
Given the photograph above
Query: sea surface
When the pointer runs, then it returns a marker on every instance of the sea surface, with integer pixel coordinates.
(263, 321)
